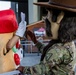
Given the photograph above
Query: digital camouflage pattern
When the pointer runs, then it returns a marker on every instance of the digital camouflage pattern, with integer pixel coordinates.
(57, 61)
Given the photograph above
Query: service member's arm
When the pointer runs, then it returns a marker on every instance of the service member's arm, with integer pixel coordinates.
(59, 55)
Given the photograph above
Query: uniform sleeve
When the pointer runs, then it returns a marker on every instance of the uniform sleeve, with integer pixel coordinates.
(54, 57)
(40, 46)
(38, 69)
(64, 56)
(58, 55)
(67, 56)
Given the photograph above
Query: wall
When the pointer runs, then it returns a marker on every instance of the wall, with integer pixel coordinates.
(32, 11)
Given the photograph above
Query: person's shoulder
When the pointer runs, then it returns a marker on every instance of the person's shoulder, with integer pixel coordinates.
(58, 48)
(57, 45)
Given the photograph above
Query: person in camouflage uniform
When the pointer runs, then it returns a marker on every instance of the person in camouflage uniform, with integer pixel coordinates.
(58, 57)
(57, 60)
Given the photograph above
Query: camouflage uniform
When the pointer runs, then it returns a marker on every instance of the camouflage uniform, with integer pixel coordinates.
(57, 61)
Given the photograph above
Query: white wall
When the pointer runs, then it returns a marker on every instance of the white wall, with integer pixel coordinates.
(33, 11)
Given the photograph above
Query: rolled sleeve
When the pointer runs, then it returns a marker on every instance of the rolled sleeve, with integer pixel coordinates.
(40, 46)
